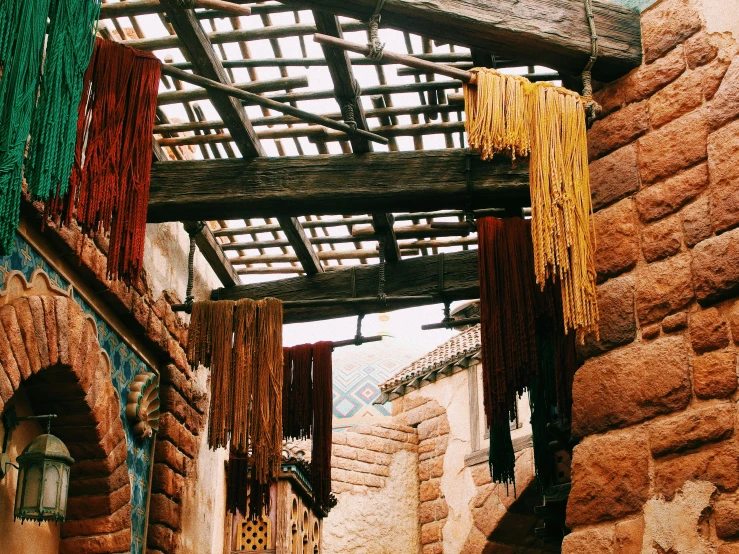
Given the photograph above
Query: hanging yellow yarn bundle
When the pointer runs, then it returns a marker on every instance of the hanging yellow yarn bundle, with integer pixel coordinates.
(508, 114)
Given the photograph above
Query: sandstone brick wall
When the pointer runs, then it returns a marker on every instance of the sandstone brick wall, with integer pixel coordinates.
(375, 478)
(658, 467)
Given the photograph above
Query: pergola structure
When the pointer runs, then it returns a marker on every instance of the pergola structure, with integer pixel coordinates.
(283, 196)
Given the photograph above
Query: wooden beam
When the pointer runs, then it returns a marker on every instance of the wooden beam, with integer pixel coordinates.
(205, 62)
(207, 243)
(322, 255)
(301, 245)
(415, 277)
(383, 226)
(553, 33)
(213, 253)
(292, 186)
(346, 88)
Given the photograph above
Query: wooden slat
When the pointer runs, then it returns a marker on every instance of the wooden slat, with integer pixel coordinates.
(553, 33)
(191, 95)
(414, 277)
(346, 88)
(206, 64)
(293, 186)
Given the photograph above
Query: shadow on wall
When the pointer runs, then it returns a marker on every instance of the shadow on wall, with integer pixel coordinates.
(516, 529)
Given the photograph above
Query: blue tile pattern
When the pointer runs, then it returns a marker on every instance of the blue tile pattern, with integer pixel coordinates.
(358, 371)
(125, 365)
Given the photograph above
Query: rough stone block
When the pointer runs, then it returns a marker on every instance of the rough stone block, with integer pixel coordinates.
(120, 541)
(716, 267)
(593, 541)
(629, 385)
(430, 490)
(173, 431)
(726, 512)
(648, 79)
(675, 322)
(676, 146)
(699, 50)
(662, 239)
(650, 332)
(164, 511)
(618, 129)
(432, 532)
(610, 97)
(714, 374)
(162, 538)
(708, 330)
(697, 222)
(610, 478)
(670, 195)
(99, 525)
(723, 146)
(83, 507)
(629, 536)
(617, 239)
(614, 176)
(663, 287)
(718, 464)
(676, 99)
(434, 510)
(166, 481)
(692, 429)
(725, 105)
(667, 24)
(617, 321)
(734, 321)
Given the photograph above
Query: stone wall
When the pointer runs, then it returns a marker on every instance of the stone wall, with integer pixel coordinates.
(375, 478)
(655, 405)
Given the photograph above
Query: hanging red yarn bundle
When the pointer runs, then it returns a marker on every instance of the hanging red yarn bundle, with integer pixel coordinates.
(322, 424)
(109, 185)
(507, 312)
(300, 397)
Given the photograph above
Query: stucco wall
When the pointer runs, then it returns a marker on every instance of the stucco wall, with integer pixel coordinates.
(30, 537)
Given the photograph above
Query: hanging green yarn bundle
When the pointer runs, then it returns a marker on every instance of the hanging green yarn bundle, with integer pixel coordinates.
(7, 9)
(73, 24)
(22, 49)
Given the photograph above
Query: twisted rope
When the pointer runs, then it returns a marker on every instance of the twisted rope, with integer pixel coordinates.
(381, 296)
(376, 47)
(592, 107)
(358, 337)
(189, 298)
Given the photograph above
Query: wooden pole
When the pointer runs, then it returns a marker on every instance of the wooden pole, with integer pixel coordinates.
(402, 59)
(267, 103)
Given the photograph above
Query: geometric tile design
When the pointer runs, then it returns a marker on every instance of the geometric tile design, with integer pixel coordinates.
(358, 371)
(126, 365)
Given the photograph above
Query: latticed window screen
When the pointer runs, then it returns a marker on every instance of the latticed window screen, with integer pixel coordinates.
(254, 536)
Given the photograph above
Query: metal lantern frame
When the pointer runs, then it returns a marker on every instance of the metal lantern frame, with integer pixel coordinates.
(43, 473)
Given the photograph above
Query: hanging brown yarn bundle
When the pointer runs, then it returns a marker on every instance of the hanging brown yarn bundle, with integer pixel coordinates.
(266, 415)
(210, 343)
(322, 423)
(237, 484)
(287, 378)
(245, 314)
(109, 185)
(507, 114)
(300, 418)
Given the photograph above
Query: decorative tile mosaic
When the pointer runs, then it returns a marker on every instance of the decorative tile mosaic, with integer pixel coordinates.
(125, 363)
(358, 371)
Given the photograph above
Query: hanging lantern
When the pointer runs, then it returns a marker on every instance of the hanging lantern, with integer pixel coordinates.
(43, 480)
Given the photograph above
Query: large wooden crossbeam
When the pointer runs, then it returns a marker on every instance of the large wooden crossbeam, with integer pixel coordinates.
(381, 182)
(553, 33)
(414, 277)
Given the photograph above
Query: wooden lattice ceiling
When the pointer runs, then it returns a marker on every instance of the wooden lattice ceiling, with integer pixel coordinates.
(271, 52)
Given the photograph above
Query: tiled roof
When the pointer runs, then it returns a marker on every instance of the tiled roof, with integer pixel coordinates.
(466, 343)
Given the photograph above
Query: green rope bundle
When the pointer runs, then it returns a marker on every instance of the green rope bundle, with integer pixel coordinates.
(54, 125)
(24, 28)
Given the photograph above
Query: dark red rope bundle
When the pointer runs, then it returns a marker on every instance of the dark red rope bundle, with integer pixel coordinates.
(524, 341)
(300, 397)
(322, 424)
(109, 185)
(310, 412)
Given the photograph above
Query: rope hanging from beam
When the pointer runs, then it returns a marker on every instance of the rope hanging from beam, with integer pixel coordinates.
(376, 46)
(591, 106)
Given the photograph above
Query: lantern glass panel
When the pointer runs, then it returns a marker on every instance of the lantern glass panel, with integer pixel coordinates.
(51, 486)
(65, 488)
(32, 486)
